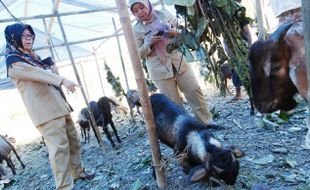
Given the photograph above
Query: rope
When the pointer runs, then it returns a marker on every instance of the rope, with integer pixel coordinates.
(177, 156)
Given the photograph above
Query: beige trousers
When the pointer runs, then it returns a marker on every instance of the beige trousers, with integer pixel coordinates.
(63, 146)
(187, 83)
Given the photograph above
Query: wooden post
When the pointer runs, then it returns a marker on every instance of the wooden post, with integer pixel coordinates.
(94, 126)
(55, 10)
(84, 80)
(98, 69)
(140, 80)
(26, 8)
(120, 53)
(48, 39)
(260, 20)
(306, 16)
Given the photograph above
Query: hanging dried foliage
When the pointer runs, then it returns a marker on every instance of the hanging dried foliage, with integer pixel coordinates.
(207, 21)
(114, 81)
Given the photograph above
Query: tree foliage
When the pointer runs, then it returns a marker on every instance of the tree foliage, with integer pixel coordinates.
(115, 82)
(207, 22)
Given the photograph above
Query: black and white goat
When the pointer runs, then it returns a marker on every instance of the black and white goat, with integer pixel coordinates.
(84, 124)
(133, 100)
(204, 155)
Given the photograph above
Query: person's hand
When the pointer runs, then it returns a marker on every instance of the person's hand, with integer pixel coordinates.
(155, 39)
(69, 85)
(172, 33)
(54, 69)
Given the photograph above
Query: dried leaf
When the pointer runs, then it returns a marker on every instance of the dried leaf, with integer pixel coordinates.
(136, 185)
(280, 150)
(290, 162)
(266, 160)
(269, 124)
(201, 26)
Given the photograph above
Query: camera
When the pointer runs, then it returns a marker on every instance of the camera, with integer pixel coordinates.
(160, 33)
(48, 61)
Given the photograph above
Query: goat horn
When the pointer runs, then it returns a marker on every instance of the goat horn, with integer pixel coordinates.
(280, 32)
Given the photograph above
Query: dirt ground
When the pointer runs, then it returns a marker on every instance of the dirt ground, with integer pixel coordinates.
(274, 155)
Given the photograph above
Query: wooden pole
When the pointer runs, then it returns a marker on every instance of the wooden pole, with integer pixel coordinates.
(145, 101)
(26, 7)
(98, 69)
(120, 53)
(48, 38)
(55, 9)
(94, 126)
(306, 16)
(84, 80)
(260, 20)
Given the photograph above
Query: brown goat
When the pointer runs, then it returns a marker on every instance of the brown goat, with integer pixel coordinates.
(5, 149)
(278, 70)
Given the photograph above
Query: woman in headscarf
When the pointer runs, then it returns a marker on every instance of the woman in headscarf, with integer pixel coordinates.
(170, 72)
(47, 108)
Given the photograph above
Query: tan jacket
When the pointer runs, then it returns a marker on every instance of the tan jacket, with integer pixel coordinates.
(156, 68)
(43, 102)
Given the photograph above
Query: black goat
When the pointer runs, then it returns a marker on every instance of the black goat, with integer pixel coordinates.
(204, 155)
(104, 104)
(101, 116)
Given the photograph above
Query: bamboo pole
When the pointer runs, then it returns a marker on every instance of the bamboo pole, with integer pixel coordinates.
(306, 16)
(94, 126)
(26, 7)
(120, 53)
(145, 101)
(260, 20)
(48, 38)
(98, 69)
(84, 80)
(55, 9)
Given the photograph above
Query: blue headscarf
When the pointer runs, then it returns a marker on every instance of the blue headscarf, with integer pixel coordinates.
(14, 47)
(15, 51)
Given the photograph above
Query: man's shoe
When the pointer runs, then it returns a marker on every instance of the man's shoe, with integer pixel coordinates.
(85, 176)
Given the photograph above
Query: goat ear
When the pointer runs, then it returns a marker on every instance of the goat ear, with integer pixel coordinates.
(238, 153)
(197, 173)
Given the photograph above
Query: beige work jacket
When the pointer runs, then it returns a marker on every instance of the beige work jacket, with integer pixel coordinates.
(158, 70)
(43, 102)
